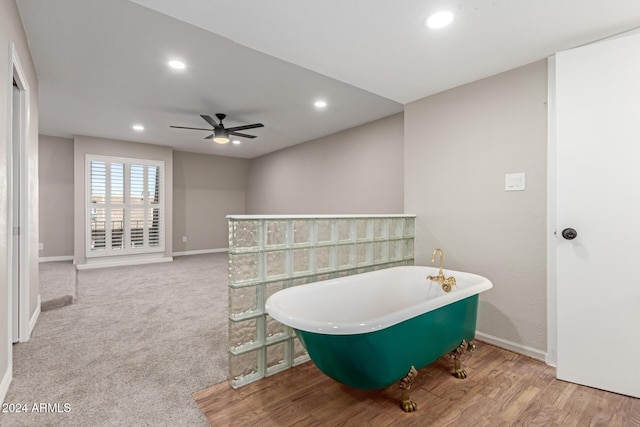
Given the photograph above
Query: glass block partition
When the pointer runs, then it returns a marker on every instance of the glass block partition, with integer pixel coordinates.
(270, 253)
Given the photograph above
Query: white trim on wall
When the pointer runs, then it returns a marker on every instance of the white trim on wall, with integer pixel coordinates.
(55, 258)
(552, 314)
(175, 254)
(512, 346)
(108, 262)
(200, 251)
(4, 385)
(36, 315)
(6, 378)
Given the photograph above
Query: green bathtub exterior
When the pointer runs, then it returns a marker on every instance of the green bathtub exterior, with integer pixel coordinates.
(378, 359)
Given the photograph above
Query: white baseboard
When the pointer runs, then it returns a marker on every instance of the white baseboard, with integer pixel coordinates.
(122, 262)
(201, 251)
(183, 253)
(6, 382)
(517, 348)
(55, 258)
(36, 315)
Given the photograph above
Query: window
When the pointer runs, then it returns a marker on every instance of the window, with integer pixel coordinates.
(125, 208)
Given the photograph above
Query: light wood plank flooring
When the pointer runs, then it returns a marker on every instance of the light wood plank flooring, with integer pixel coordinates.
(503, 389)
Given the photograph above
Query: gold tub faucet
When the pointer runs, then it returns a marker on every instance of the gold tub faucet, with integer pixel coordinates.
(448, 282)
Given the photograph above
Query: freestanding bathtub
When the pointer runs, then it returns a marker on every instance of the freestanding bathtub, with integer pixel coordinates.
(368, 330)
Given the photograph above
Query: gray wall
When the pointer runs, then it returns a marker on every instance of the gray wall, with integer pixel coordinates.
(56, 196)
(84, 145)
(11, 31)
(206, 189)
(358, 170)
(458, 146)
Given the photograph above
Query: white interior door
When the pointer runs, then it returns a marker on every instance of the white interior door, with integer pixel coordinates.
(598, 194)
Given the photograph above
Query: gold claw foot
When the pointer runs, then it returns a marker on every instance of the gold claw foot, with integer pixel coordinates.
(407, 404)
(460, 373)
(457, 354)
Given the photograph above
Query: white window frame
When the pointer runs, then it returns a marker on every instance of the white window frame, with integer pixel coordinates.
(145, 248)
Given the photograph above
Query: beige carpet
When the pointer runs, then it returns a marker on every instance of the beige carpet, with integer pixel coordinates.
(132, 349)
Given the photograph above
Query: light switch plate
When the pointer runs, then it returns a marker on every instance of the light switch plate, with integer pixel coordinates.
(514, 181)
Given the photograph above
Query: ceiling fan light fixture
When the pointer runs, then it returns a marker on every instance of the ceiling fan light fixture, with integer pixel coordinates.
(221, 136)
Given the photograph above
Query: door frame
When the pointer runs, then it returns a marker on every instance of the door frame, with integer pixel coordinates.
(552, 284)
(24, 328)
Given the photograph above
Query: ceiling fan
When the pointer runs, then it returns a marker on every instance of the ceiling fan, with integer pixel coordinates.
(220, 133)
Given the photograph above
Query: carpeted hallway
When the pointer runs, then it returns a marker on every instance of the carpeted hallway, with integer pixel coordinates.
(131, 350)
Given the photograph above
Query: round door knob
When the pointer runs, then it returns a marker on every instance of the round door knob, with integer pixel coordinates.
(569, 233)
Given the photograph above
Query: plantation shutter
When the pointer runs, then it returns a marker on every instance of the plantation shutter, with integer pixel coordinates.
(125, 213)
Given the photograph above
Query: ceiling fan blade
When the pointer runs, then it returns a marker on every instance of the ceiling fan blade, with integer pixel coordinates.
(209, 137)
(255, 125)
(182, 127)
(210, 120)
(244, 135)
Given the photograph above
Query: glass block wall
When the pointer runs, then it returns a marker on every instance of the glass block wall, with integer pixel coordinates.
(270, 253)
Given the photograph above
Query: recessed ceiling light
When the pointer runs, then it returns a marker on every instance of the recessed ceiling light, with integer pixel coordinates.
(236, 142)
(320, 104)
(177, 65)
(439, 19)
(138, 128)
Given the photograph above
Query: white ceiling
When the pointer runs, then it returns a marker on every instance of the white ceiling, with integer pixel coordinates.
(102, 64)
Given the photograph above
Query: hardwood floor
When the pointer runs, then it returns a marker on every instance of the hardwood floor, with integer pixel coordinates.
(502, 389)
